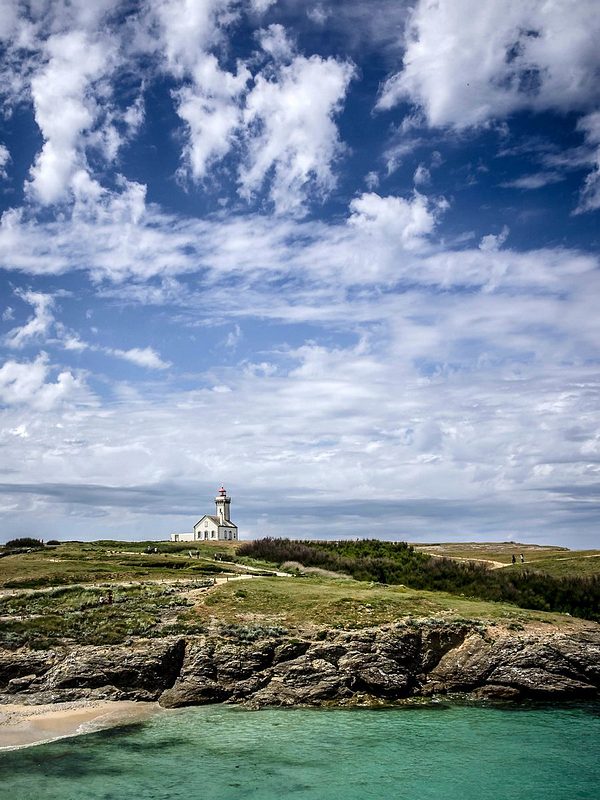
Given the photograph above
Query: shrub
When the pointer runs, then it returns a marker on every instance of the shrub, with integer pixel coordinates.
(25, 541)
(399, 563)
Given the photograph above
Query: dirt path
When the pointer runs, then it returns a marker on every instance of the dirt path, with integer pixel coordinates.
(492, 564)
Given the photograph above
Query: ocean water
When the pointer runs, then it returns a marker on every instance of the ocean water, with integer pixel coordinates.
(220, 753)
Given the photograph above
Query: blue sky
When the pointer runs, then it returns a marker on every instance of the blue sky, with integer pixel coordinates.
(339, 256)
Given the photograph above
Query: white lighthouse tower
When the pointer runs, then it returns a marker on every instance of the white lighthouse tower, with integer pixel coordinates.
(223, 503)
(213, 528)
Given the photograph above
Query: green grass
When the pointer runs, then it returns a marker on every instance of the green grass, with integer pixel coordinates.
(77, 562)
(559, 561)
(80, 574)
(583, 562)
(76, 614)
(302, 602)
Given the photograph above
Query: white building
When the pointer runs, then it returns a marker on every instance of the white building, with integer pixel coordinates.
(212, 528)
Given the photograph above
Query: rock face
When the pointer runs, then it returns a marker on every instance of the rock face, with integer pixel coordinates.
(376, 664)
(140, 672)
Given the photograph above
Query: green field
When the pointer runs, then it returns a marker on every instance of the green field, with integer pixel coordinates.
(92, 562)
(552, 560)
(301, 602)
(58, 595)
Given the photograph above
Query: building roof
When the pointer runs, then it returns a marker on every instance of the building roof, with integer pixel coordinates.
(217, 521)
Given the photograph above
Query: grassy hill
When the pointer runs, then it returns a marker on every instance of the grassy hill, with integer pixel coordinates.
(90, 562)
(544, 558)
(58, 595)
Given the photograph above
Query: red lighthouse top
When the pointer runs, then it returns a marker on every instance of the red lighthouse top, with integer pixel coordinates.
(222, 491)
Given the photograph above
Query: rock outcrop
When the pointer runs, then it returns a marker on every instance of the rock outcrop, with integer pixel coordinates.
(376, 664)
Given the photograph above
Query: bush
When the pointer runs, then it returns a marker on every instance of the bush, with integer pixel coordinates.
(399, 563)
(25, 541)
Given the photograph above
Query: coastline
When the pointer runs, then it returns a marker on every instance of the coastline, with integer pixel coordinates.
(28, 725)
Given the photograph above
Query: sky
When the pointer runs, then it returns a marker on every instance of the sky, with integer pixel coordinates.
(339, 256)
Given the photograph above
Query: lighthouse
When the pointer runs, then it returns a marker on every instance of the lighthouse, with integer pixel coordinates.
(217, 528)
(223, 503)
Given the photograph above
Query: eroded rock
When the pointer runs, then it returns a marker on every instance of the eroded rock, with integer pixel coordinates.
(386, 664)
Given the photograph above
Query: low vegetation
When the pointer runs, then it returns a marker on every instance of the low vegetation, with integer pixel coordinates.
(93, 562)
(108, 592)
(298, 603)
(399, 563)
(107, 614)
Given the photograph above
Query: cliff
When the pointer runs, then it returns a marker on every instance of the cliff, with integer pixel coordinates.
(384, 663)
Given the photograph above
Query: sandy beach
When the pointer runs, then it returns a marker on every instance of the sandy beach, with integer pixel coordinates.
(25, 725)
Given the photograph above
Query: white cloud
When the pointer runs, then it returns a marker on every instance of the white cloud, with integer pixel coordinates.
(536, 180)
(43, 324)
(467, 62)
(275, 42)
(208, 102)
(188, 28)
(407, 222)
(234, 337)
(26, 383)
(318, 14)
(589, 198)
(143, 357)
(38, 326)
(211, 111)
(491, 242)
(4, 160)
(372, 180)
(74, 63)
(292, 131)
(485, 389)
(260, 6)
(422, 176)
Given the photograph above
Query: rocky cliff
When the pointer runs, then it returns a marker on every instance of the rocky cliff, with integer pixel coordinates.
(327, 666)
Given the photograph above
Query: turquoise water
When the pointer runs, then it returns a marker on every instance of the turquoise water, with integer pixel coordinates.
(222, 752)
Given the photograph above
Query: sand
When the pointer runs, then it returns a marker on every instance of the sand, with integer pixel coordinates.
(24, 725)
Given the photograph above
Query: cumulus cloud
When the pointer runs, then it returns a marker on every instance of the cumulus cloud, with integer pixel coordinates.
(467, 62)
(208, 102)
(468, 368)
(74, 63)
(292, 130)
(210, 109)
(274, 41)
(445, 384)
(26, 383)
(77, 56)
(407, 221)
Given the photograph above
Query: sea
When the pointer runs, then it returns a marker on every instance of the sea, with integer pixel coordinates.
(429, 752)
